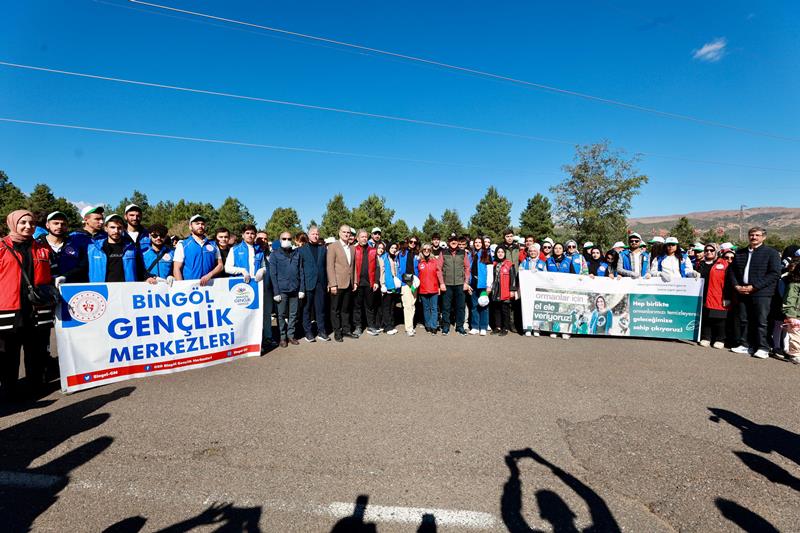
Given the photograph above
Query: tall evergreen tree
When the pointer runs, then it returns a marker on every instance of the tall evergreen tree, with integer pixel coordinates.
(451, 223)
(431, 226)
(684, 231)
(594, 200)
(537, 217)
(138, 198)
(42, 202)
(234, 215)
(372, 212)
(397, 232)
(336, 214)
(492, 215)
(11, 198)
(283, 219)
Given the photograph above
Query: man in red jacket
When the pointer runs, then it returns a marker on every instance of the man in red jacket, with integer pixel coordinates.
(366, 284)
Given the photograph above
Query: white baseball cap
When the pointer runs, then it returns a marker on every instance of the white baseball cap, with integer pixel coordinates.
(588, 244)
(132, 207)
(89, 209)
(376, 230)
(671, 240)
(197, 217)
(113, 216)
(55, 214)
(619, 244)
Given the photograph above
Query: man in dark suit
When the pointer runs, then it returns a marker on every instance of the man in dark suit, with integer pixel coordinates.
(754, 276)
(339, 264)
(313, 259)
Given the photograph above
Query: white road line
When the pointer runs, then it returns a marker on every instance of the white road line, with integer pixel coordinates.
(27, 480)
(413, 515)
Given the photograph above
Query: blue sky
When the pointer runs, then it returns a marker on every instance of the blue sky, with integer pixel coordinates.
(642, 53)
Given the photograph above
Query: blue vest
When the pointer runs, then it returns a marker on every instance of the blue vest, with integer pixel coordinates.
(602, 270)
(81, 240)
(144, 240)
(681, 264)
(531, 263)
(163, 268)
(388, 279)
(627, 263)
(478, 281)
(98, 261)
(241, 257)
(565, 266)
(401, 266)
(198, 259)
(577, 262)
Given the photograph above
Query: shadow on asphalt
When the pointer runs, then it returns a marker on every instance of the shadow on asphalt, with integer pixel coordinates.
(355, 522)
(227, 517)
(552, 507)
(25, 492)
(764, 439)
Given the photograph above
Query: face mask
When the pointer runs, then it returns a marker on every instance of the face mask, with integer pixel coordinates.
(286, 244)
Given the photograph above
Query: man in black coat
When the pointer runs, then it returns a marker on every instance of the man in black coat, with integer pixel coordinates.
(313, 257)
(754, 276)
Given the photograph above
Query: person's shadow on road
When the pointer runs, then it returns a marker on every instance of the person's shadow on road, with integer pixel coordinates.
(552, 507)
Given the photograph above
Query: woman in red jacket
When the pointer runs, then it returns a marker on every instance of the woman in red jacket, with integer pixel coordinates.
(22, 325)
(430, 283)
(717, 301)
(504, 290)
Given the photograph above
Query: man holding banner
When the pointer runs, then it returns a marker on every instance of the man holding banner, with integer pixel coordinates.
(196, 256)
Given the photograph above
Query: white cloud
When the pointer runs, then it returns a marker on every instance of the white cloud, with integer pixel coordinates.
(711, 52)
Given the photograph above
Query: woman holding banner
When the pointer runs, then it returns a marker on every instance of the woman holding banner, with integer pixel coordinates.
(26, 304)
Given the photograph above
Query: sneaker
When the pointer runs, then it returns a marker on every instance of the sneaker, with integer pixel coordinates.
(391, 331)
(553, 335)
(719, 345)
(294, 342)
(433, 332)
(283, 343)
(761, 354)
(502, 333)
(310, 339)
(483, 333)
(373, 331)
(528, 334)
(565, 335)
(358, 332)
(411, 333)
(704, 343)
(445, 332)
(536, 334)
(473, 331)
(338, 337)
(741, 349)
(322, 337)
(795, 359)
(461, 332)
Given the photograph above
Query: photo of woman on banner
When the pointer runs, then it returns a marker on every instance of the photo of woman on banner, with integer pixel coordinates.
(609, 315)
(602, 318)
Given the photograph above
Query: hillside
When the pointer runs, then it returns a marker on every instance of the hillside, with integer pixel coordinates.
(783, 221)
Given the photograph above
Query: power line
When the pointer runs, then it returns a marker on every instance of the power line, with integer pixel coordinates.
(259, 145)
(362, 113)
(540, 86)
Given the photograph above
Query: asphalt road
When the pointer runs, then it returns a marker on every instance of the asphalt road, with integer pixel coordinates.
(419, 434)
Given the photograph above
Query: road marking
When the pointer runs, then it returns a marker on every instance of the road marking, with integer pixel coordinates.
(413, 515)
(28, 480)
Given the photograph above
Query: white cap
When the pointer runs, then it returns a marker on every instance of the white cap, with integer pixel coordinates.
(671, 240)
(376, 230)
(657, 238)
(726, 246)
(113, 216)
(635, 235)
(619, 244)
(588, 244)
(330, 240)
(698, 247)
(89, 209)
(197, 217)
(548, 239)
(132, 207)
(54, 214)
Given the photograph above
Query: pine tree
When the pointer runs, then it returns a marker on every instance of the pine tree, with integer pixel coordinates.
(537, 217)
(283, 219)
(684, 231)
(11, 198)
(336, 214)
(234, 215)
(716, 235)
(451, 223)
(137, 198)
(397, 232)
(42, 202)
(492, 215)
(593, 202)
(431, 226)
(371, 213)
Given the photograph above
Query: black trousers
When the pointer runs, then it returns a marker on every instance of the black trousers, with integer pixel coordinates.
(34, 341)
(453, 302)
(266, 335)
(364, 307)
(340, 310)
(502, 315)
(712, 329)
(388, 302)
(753, 314)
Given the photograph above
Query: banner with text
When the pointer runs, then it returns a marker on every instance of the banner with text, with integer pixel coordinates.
(626, 307)
(109, 332)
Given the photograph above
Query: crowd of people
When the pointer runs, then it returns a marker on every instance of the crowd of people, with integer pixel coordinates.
(355, 283)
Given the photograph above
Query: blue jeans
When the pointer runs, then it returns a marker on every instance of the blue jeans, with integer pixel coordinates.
(430, 308)
(479, 316)
(453, 298)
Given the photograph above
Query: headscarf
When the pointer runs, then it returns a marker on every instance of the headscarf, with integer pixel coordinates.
(11, 221)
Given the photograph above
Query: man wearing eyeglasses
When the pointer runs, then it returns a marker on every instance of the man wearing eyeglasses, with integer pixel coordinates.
(754, 274)
(288, 283)
(339, 266)
(635, 261)
(158, 257)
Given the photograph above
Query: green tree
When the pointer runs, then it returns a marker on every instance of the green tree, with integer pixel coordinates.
(717, 235)
(594, 200)
(161, 213)
(234, 215)
(451, 223)
(372, 212)
(138, 198)
(283, 219)
(11, 198)
(492, 215)
(431, 226)
(397, 232)
(684, 231)
(42, 202)
(537, 217)
(336, 214)
(178, 221)
(311, 224)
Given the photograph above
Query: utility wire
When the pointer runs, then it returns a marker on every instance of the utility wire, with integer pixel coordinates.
(363, 114)
(259, 145)
(540, 86)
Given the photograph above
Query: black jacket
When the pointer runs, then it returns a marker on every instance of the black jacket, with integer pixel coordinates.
(765, 270)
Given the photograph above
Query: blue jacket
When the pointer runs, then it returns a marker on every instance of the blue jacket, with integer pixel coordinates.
(98, 261)
(577, 262)
(286, 272)
(316, 272)
(198, 259)
(67, 261)
(388, 279)
(163, 268)
(681, 265)
(402, 260)
(81, 239)
(625, 256)
(479, 281)
(241, 257)
(143, 241)
(532, 263)
(564, 266)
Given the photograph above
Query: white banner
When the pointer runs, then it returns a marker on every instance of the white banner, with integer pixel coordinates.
(109, 332)
(574, 304)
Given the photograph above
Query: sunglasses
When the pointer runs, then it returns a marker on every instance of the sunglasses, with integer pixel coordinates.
(634, 240)
(571, 246)
(286, 239)
(156, 236)
(710, 251)
(413, 242)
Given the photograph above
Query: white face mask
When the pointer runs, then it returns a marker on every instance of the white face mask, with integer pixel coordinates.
(286, 244)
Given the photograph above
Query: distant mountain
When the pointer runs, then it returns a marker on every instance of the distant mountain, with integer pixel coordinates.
(783, 221)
